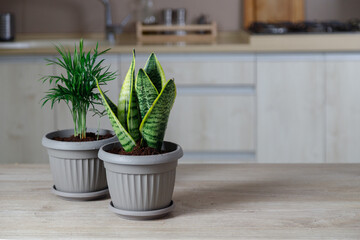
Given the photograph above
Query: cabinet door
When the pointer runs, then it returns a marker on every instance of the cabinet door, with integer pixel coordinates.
(23, 121)
(290, 108)
(343, 108)
(63, 116)
(201, 69)
(211, 112)
(213, 123)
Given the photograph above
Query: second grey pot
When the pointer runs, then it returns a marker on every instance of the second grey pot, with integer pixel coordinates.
(141, 183)
(75, 166)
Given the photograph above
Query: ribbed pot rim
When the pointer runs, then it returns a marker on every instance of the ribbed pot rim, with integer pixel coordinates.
(48, 142)
(175, 153)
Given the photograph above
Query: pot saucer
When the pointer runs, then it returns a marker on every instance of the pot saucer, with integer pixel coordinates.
(142, 215)
(80, 196)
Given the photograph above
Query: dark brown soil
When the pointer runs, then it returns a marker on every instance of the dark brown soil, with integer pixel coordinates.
(89, 137)
(137, 151)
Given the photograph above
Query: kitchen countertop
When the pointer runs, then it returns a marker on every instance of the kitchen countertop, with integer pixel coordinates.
(245, 201)
(231, 42)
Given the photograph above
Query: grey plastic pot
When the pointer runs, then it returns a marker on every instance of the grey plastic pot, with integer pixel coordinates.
(141, 183)
(75, 166)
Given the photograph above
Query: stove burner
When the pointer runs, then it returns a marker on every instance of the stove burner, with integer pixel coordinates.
(269, 28)
(305, 27)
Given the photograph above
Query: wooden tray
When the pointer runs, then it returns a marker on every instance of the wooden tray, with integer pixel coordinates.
(202, 33)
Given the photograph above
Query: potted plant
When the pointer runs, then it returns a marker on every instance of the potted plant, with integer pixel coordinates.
(141, 167)
(77, 172)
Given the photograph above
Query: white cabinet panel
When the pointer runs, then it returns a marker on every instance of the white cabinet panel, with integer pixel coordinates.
(201, 69)
(343, 108)
(213, 123)
(290, 108)
(213, 115)
(23, 121)
(63, 116)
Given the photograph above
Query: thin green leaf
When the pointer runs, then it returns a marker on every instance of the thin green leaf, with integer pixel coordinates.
(128, 111)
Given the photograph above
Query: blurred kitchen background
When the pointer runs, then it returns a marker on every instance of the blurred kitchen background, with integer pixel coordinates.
(81, 16)
(243, 96)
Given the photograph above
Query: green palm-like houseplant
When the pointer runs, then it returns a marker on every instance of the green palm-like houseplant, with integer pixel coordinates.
(141, 186)
(76, 169)
(76, 87)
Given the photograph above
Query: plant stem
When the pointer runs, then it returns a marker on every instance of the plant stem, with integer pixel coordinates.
(83, 121)
(74, 116)
(79, 119)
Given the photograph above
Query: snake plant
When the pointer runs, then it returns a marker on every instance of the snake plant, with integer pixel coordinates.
(144, 105)
(76, 86)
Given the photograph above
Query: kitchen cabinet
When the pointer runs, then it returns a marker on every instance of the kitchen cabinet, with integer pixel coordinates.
(23, 121)
(342, 107)
(201, 69)
(213, 123)
(290, 108)
(214, 111)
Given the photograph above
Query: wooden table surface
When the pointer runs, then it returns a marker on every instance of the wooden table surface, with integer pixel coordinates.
(245, 201)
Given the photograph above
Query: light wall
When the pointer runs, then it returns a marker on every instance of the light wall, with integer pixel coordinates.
(340, 10)
(67, 16)
(81, 16)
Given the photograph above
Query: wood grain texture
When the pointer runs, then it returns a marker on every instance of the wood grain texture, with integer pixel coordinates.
(22, 120)
(273, 11)
(244, 201)
(343, 108)
(248, 13)
(291, 108)
(154, 33)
